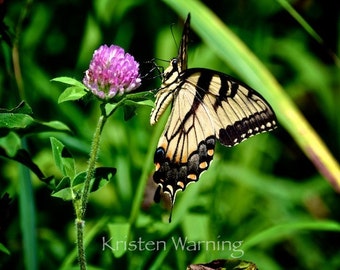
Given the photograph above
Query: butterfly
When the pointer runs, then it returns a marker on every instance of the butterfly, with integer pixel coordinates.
(207, 106)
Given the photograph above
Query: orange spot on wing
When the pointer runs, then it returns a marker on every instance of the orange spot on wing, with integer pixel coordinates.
(210, 152)
(192, 177)
(157, 166)
(180, 184)
(203, 165)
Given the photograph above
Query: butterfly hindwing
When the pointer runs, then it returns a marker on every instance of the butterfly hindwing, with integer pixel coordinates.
(187, 144)
(206, 106)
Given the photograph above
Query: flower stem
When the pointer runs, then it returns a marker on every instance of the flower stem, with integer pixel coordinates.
(92, 164)
(80, 224)
(80, 207)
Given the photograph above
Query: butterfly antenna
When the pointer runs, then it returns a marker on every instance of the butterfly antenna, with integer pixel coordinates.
(154, 67)
(173, 35)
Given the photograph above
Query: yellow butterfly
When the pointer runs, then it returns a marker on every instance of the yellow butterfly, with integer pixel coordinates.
(206, 106)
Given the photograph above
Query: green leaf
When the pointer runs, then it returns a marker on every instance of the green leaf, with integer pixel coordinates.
(69, 81)
(15, 120)
(11, 143)
(75, 92)
(119, 233)
(63, 158)
(72, 93)
(78, 181)
(111, 107)
(51, 126)
(102, 176)
(132, 101)
(17, 117)
(19, 120)
(24, 124)
(4, 249)
(64, 190)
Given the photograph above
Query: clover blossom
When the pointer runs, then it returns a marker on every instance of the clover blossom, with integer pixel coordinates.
(112, 72)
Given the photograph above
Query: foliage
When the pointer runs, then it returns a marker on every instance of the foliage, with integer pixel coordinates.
(263, 201)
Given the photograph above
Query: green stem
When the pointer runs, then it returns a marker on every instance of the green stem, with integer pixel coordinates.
(80, 224)
(80, 208)
(92, 164)
(90, 234)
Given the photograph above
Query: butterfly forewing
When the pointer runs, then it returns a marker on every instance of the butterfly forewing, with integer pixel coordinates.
(206, 106)
(183, 47)
(238, 111)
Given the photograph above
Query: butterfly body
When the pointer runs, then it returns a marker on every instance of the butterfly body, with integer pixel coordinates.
(206, 106)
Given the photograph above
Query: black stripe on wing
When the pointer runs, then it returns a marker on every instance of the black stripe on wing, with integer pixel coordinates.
(257, 115)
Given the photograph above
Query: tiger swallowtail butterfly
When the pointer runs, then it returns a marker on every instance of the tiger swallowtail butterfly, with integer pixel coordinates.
(207, 106)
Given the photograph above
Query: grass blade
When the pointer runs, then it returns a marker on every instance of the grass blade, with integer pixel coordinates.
(27, 218)
(282, 231)
(304, 24)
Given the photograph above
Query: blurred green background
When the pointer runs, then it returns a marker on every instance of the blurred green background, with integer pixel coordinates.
(264, 192)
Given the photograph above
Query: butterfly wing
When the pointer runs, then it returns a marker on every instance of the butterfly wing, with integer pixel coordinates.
(207, 106)
(183, 47)
(186, 147)
(237, 111)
